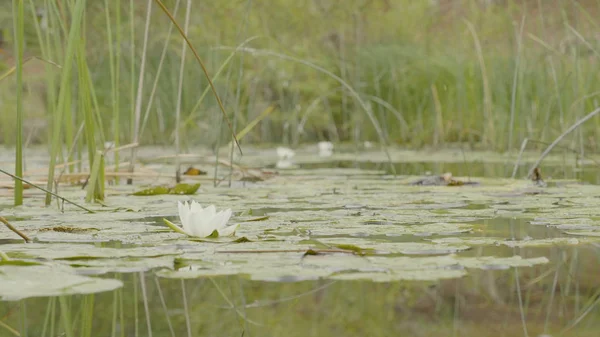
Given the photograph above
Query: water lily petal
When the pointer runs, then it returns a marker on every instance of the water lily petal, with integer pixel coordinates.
(202, 222)
(201, 225)
(209, 212)
(229, 230)
(195, 207)
(189, 223)
(184, 211)
(220, 220)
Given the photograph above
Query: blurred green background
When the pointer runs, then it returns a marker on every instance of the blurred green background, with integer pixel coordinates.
(487, 73)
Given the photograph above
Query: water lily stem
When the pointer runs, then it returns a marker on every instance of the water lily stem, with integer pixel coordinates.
(12, 228)
(174, 227)
(3, 256)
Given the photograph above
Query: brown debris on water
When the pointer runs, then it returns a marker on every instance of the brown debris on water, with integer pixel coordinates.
(192, 171)
(536, 177)
(443, 180)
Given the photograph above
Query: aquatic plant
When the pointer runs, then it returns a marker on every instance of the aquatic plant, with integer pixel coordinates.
(202, 222)
(285, 157)
(325, 149)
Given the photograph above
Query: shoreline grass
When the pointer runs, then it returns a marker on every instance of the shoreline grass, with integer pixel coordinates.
(460, 72)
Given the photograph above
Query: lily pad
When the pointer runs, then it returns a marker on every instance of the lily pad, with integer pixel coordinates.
(180, 189)
(17, 282)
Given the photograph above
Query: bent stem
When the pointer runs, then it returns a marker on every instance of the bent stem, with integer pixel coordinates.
(212, 86)
(557, 140)
(174, 227)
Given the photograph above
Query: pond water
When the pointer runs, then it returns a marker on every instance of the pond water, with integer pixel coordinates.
(331, 247)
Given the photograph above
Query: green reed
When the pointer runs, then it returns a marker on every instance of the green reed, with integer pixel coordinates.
(18, 26)
(63, 104)
(488, 77)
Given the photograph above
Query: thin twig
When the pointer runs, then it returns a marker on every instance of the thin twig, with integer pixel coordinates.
(577, 152)
(164, 306)
(47, 191)
(12, 228)
(231, 305)
(212, 86)
(264, 303)
(523, 146)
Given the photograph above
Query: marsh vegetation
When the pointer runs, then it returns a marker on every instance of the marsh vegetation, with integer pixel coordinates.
(112, 112)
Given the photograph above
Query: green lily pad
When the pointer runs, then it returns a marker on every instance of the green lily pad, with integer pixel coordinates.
(180, 189)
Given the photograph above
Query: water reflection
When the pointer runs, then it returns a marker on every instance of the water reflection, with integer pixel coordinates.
(471, 169)
(559, 298)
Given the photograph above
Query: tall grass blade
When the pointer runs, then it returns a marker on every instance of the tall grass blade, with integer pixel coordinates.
(350, 89)
(212, 86)
(158, 73)
(65, 86)
(188, 9)
(132, 81)
(65, 314)
(18, 26)
(87, 316)
(94, 189)
(513, 98)
(85, 103)
(113, 63)
(489, 128)
(116, 114)
(140, 87)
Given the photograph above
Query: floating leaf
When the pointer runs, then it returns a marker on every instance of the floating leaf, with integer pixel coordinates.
(184, 189)
(181, 189)
(156, 190)
(355, 249)
(17, 282)
(242, 240)
(68, 229)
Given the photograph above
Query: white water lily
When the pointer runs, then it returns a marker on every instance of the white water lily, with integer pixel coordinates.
(325, 149)
(202, 222)
(285, 153)
(285, 157)
(284, 164)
